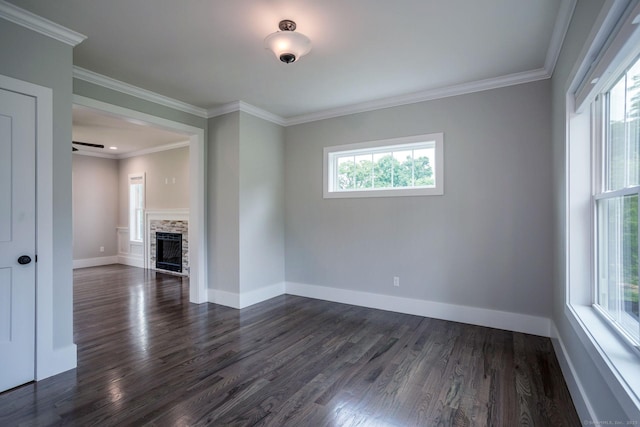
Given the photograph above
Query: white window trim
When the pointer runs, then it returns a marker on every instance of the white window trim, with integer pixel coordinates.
(437, 190)
(617, 362)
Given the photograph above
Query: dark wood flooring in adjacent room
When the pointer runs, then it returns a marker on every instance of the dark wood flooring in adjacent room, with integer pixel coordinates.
(147, 356)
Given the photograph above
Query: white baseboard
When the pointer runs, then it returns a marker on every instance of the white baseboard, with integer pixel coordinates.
(262, 294)
(133, 261)
(476, 316)
(580, 399)
(228, 299)
(56, 362)
(246, 299)
(94, 262)
(472, 315)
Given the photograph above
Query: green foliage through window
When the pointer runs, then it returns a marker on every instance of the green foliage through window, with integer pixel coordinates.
(402, 169)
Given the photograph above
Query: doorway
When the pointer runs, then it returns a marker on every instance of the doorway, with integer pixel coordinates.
(196, 185)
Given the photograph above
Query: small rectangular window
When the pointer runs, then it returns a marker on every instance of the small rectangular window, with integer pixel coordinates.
(616, 202)
(136, 207)
(411, 166)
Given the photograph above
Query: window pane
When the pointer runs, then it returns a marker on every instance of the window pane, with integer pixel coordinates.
(139, 226)
(346, 173)
(136, 208)
(364, 171)
(618, 261)
(383, 170)
(403, 168)
(423, 167)
(622, 154)
(633, 121)
(615, 154)
(387, 168)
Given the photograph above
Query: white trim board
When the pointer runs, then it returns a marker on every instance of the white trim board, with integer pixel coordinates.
(509, 321)
(144, 151)
(133, 261)
(58, 361)
(580, 400)
(39, 24)
(126, 88)
(245, 107)
(246, 299)
(94, 262)
(515, 322)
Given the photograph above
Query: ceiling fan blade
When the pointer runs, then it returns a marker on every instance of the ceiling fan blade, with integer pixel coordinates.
(88, 144)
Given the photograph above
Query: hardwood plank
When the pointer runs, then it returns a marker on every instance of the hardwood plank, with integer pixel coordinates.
(146, 356)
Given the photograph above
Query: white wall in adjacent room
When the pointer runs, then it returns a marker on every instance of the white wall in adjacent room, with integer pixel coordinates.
(167, 181)
(95, 206)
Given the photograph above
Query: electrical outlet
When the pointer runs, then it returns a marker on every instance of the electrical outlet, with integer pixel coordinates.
(101, 248)
(396, 281)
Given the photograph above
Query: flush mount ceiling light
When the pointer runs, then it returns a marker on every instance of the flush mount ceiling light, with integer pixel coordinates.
(286, 44)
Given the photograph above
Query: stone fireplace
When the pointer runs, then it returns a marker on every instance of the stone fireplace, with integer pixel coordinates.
(174, 223)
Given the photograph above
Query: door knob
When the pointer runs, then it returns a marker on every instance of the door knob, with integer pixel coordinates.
(24, 259)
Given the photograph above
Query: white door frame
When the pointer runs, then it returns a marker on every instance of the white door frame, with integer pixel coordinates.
(197, 193)
(49, 360)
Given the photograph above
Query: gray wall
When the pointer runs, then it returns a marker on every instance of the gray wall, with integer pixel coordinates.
(246, 203)
(159, 167)
(600, 396)
(261, 203)
(95, 206)
(224, 202)
(34, 58)
(486, 243)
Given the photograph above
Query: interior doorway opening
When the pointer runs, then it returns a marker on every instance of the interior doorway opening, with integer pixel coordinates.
(192, 146)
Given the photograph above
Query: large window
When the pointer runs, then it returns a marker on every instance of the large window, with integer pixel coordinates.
(617, 125)
(136, 207)
(399, 167)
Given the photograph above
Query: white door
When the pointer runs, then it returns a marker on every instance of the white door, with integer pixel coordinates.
(17, 238)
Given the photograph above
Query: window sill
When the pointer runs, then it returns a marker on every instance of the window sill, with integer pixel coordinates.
(617, 362)
(398, 192)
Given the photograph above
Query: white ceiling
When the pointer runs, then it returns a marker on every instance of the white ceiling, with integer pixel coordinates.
(366, 53)
(209, 53)
(129, 136)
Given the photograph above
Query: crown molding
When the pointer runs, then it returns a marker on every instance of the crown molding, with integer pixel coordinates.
(126, 88)
(560, 28)
(412, 98)
(95, 154)
(428, 95)
(166, 147)
(262, 114)
(40, 25)
(232, 107)
(396, 101)
(223, 109)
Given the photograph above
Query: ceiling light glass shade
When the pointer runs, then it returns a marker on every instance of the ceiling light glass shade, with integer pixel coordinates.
(288, 46)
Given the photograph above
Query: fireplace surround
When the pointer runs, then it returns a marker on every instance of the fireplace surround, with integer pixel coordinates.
(167, 221)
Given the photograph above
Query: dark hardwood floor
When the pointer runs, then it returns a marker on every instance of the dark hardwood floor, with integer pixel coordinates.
(148, 357)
